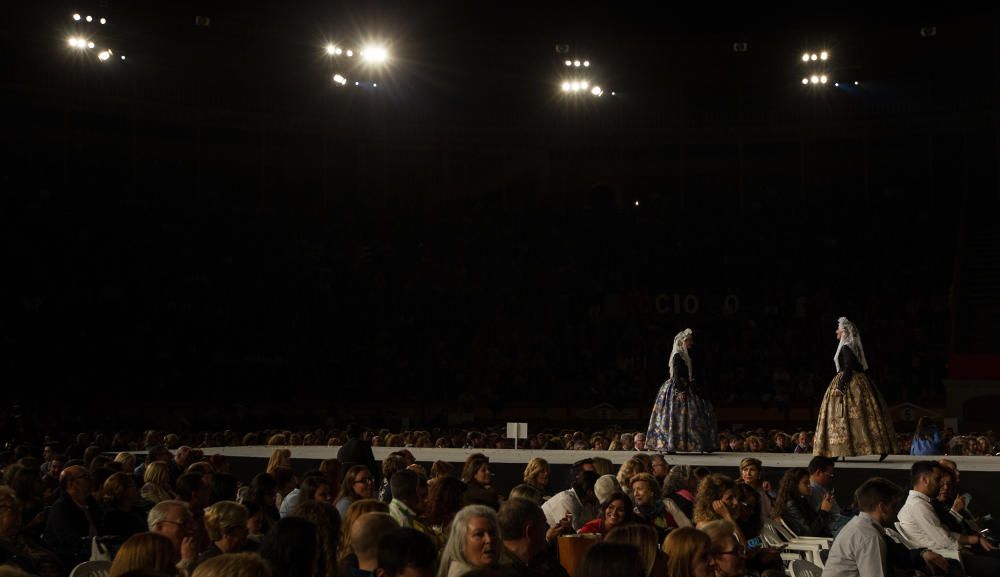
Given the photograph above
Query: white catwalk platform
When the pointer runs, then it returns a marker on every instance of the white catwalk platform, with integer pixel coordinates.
(518, 456)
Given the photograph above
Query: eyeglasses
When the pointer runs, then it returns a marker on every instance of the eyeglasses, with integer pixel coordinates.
(364, 481)
(736, 552)
(179, 524)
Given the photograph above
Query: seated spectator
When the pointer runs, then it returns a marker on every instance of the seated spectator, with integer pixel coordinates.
(689, 553)
(366, 532)
(440, 470)
(793, 506)
(716, 499)
(862, 549)
(751, 474)
(314, 487)
(393, 463)
(612, 560)
(782, 443)
(346, 556)
(524, 531)
(649, 507)
(728, 553)
(157, 483)
(122, 517)
(327, 521)
(926, 438)
(473, 543)
(615, 510)
(234, 565)
(148, 551)
(537, 474)
(803, 444)
(173, 520)
(630, 468)
(409, 492)
(645, 540)
(264, 492)
(74, 517)
(479, 483)
(578, 503)
(821, 489)
(290, 548)
(358, 484)
(945, 503)
(17, 549)
(226, 526)
(406, 552)
(528, 492)
(678, 492)
(920, 525)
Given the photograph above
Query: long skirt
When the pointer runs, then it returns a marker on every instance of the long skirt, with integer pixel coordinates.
(687, 426)
(854, 423)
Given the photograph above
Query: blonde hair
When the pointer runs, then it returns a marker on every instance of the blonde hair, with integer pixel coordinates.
(641, 536)
(683, 546)
(233, 565)
(628, 470)
(156, 473)
(536, 466)
(224, 516)
(126, 459)
(115, 487)
(279, 458)
(710, 489)
(145, 551)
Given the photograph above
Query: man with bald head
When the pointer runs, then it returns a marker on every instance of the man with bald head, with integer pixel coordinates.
(365, 534)
(74, 517)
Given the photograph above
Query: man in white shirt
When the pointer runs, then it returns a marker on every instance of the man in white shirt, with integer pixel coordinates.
(921, 526)
(861, 548)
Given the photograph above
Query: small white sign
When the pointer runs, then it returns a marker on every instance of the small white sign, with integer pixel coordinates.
(517, 430)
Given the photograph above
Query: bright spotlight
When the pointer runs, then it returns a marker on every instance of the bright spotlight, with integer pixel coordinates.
(612, 93)
(584, 85)
(103, 56)
(104, 20)
(637, 203)
(812, 57)
(90, 45)
(374, 84)
(805, 57)
(375, 54)
(596, 91)
(822, 79)
(814, 79)
(586, 63)
(339, 79)
(837, 84)
(356, 83)
(576, 63)
(569, 63)
(123, 57)
(350, 53)
(805, 81)
(331, 49)
(90, 18)
(76, 17)
(566, 86)
(824, 55)
(339, 51)
(855, 82)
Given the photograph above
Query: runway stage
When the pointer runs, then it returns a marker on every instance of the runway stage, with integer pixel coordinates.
(980, 475)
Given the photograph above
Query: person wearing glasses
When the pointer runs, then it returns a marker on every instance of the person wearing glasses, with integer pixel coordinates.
(173, 520)
(74, 517)
(730, 558)
(359, 483)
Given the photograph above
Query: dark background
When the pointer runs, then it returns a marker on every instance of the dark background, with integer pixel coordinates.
(213, 234)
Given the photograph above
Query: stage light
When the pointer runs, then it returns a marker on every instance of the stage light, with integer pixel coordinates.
(824, 55)
(123, 57)
(76, 17)
(350, 53)
(586, 63)
(822, 79)
(612, 93)
(375, 54)
(331, 49)
(104, 20)
(569, 63)
(576, 63)
(339, 79)
(90, 45)
(566, 86)
(805, 57)
(855, 82)
(374, 84)
(90, 18)
(596, 91)
(837, 84)
(637, 203)
(104, 56)
(584, 85)
(356, 83)
(812, 57)
(805, 81)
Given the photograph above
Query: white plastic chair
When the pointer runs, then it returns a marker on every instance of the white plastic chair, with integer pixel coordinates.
(790, 535)
(803, 568)
(91, 569)
(811, 551)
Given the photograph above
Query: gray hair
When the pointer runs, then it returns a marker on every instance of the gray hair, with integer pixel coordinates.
(161, 511)
(454, 549)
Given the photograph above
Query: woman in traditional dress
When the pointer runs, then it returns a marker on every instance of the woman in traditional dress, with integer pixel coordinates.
(681, 420)
(853, 418)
